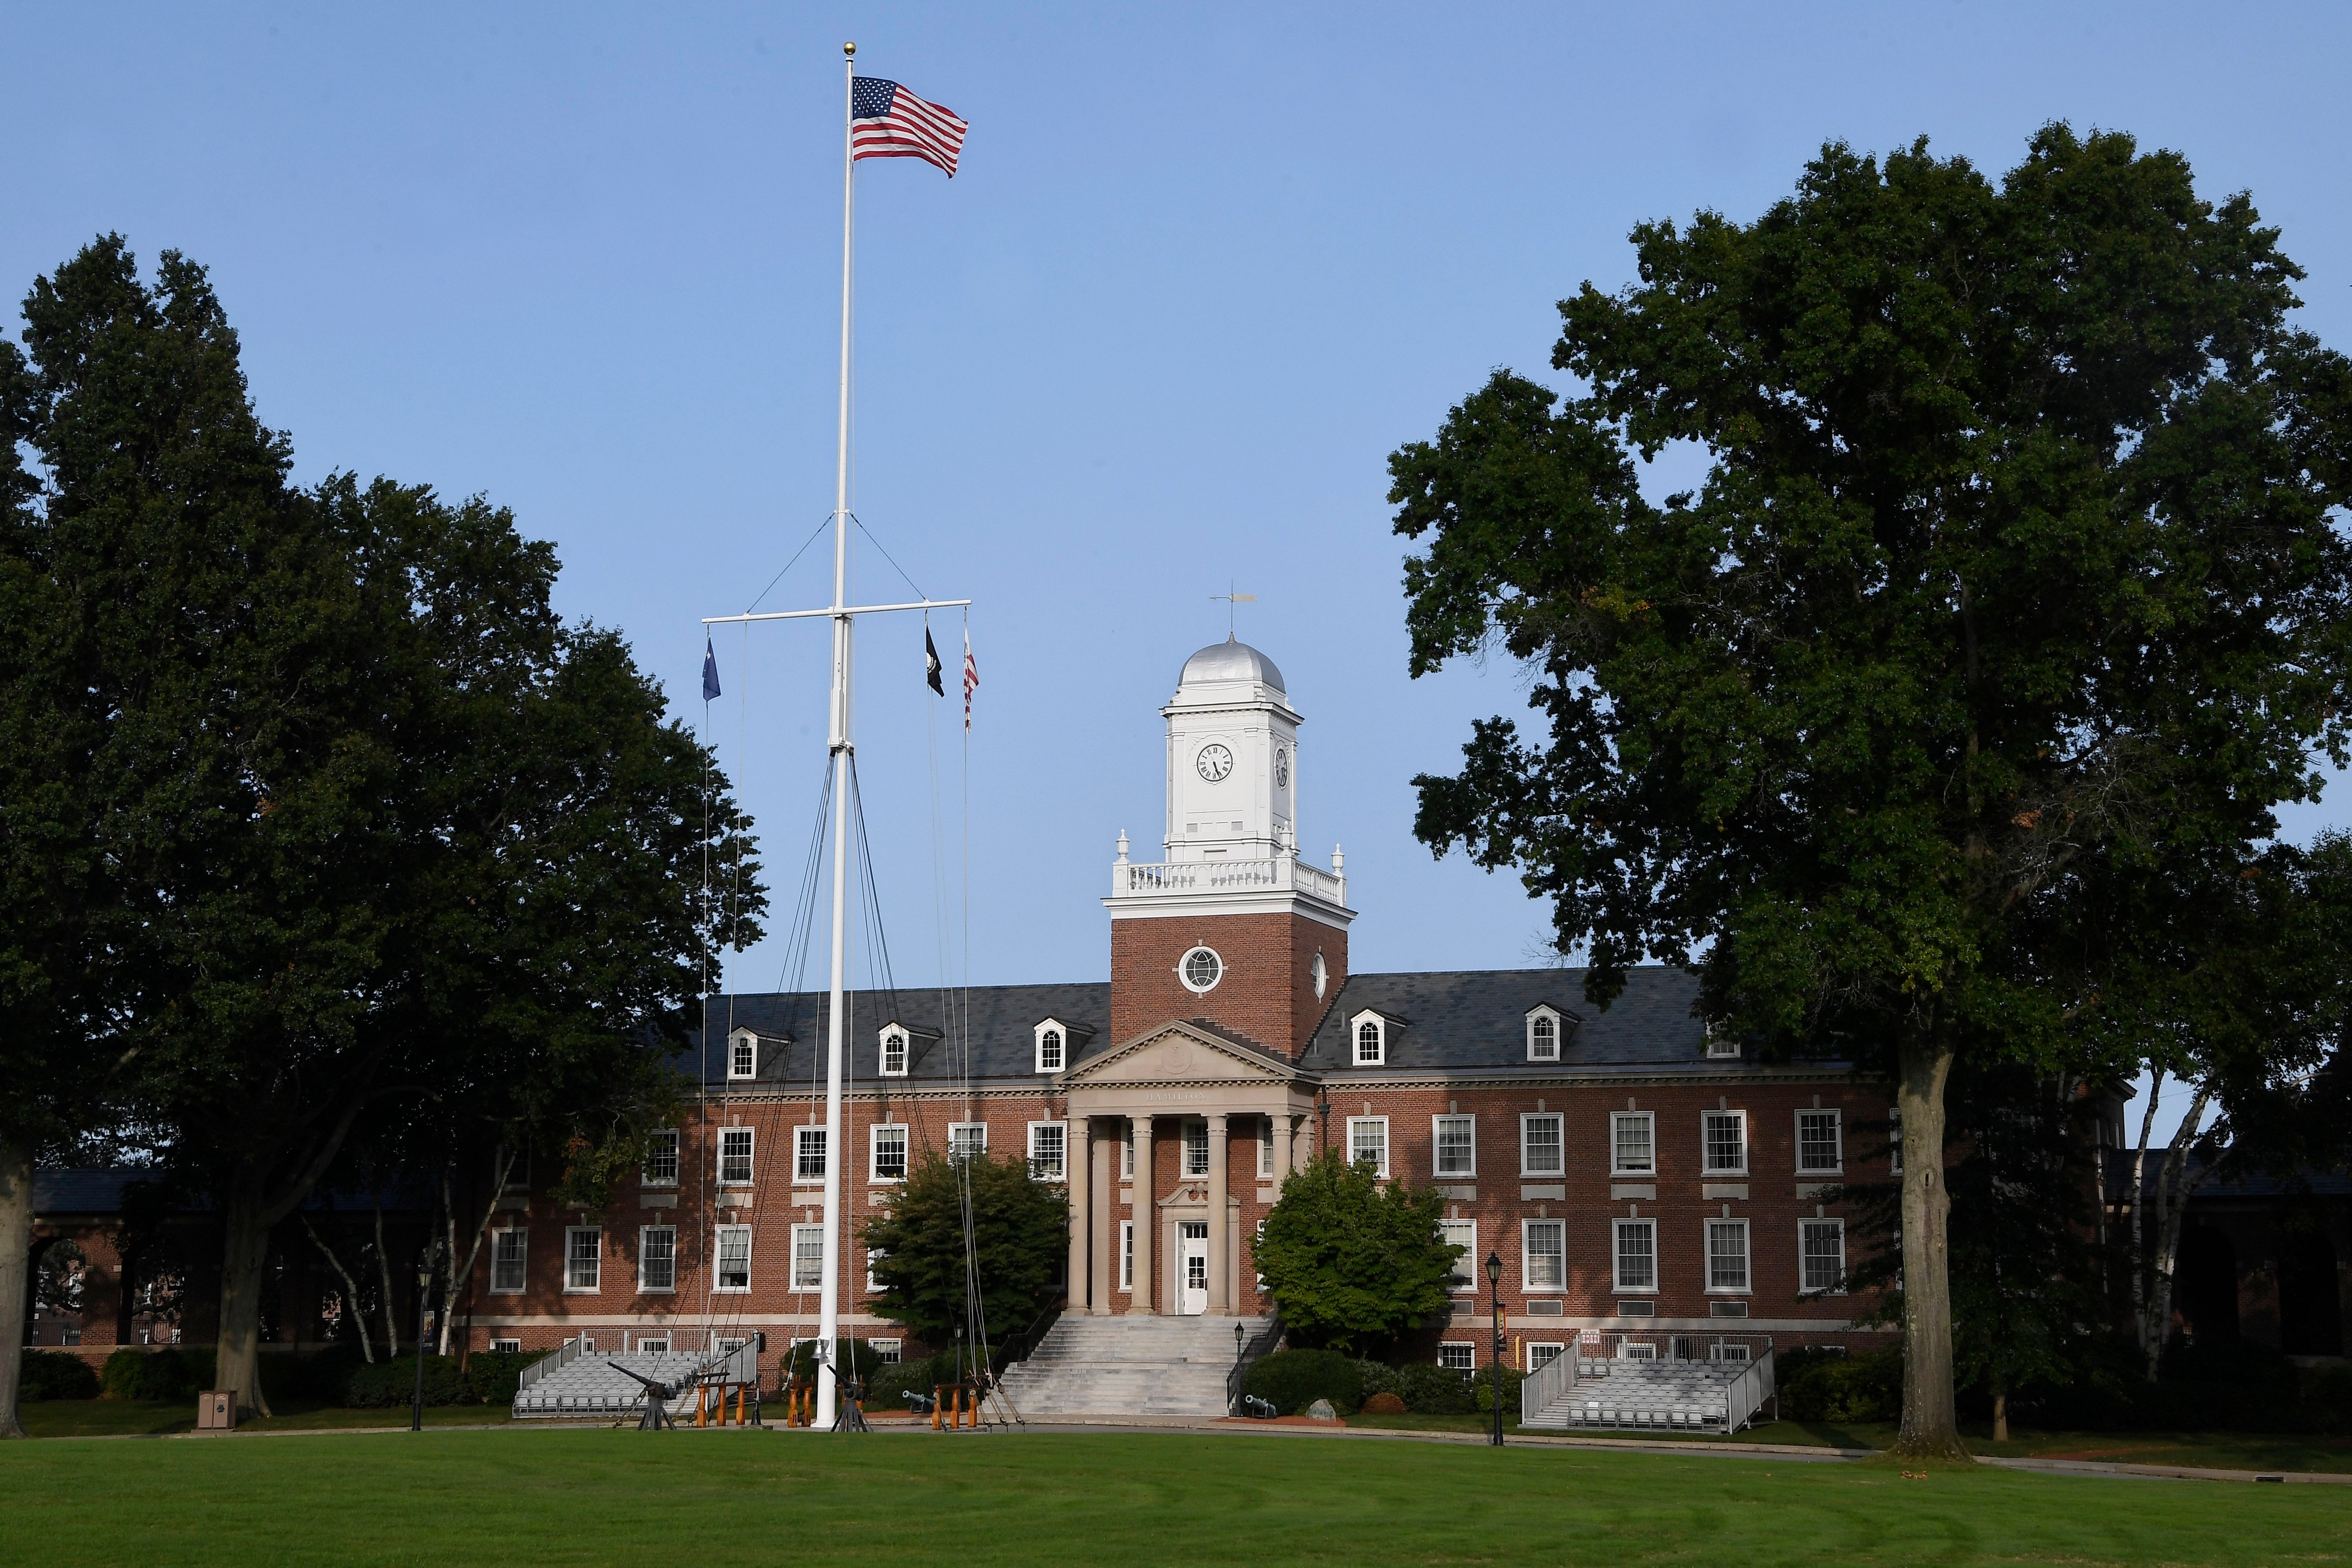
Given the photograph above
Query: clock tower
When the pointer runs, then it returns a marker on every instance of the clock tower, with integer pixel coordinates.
(1231, 925)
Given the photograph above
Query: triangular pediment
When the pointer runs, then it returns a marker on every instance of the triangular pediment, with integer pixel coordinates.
(1177, 1052)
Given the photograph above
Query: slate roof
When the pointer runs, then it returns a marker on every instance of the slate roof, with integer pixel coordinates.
(2310, 1181)
(1001, 1025)
(84, 1189)
(1469, 1019)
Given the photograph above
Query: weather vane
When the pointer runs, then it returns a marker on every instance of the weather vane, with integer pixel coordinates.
(1230, 599)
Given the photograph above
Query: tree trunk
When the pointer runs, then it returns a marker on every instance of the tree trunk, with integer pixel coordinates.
(351, 1312)
(1930, 1421)
(2000, 1416)
(384, 1271)
(461, 1279)
(2139, 1244)
(244, 1247)
(2174, 1192)
(15, 1273)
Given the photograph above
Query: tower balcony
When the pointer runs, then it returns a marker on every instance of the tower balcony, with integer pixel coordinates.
(1191, 878)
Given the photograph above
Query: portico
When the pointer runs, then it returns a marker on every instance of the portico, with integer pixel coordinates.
(1165, 1233)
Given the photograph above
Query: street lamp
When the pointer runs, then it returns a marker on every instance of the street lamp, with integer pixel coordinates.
(424, 1290)
(1494, 1359)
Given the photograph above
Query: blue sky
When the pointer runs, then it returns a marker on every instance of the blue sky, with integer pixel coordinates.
(1203, 270)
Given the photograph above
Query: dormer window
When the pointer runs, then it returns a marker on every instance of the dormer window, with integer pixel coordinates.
(1053, 1049)
(893, 1052)
(742, 1056)
(1721, 1047)
(1544, 1033)
(1371, 1032)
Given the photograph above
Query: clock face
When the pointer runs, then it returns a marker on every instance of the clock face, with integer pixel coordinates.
(1214, 763)
(1282, 770)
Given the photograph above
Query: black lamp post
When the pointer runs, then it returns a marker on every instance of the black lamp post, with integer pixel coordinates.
(1495, 1361)
(424, 1290)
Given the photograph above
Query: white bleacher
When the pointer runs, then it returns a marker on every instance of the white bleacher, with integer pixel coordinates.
(572, 1383)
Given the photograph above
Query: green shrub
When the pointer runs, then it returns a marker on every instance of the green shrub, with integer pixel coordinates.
(1292, 1380)
(1377, 1377)
(2331, 1398)
(1822, 1385)
(56, 1375)
(1482, 1388)
(493, 1377)
(863, 1359)
(388, 1384)
(888, 1386)
(161, 1373)
(1429, 1389)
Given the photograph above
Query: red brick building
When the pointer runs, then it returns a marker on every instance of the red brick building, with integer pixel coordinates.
(1631, 1172)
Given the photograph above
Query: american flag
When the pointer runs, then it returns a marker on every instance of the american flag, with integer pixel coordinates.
(886, 121)
(970, 680)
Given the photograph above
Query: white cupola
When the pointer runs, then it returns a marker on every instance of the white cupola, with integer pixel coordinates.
(1233, 759)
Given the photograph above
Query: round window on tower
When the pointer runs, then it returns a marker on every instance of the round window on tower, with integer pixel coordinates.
(1201, 970)
(1322, 973)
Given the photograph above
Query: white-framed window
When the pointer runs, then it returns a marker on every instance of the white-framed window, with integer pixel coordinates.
(1542, 1355)
(1459, 1355)
(1463, 1233)
(1632, 1143)
(735, 1157)
(1049, 1150)
(584, 1258)
(890, 1353)
(1637, 1256)
(733, 1249)
(1726, 1256)
(1820, 1143)
(1543, 1254)
(653, 1345)
(1200, 970)
(808, 1154)
(886, 1152)
(742, 1056)
(808, 1257)
(1196, 1148)
(660, 1168)
(505, 1347)
(1053, 1053)
(517, 1167)
(1266, 1148)
(1721, 1047)
(508, 1250)
(1543, 1034)
(656, 1258)
(1455, 1142)
(1126, 1255)
(1370, 1033)
(893, 1052)
(1820, 1247)
(1257, 1244)
(1895, 1142)
(966, 1138)
(1541, 1153)
(1723, 1139)
(1368, 1143)
(874, 1255)
(1127, 1153)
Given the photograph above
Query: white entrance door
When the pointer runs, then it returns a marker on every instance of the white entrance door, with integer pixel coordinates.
(1192, 1267)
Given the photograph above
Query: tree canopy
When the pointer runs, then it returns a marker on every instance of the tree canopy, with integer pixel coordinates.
(371, 834)
(2012, 583)
(1021, 1238)
(1354, 1261)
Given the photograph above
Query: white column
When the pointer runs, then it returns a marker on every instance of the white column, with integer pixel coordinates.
(1146, 1216)
(1104, 1277)
(1077, 1170)
(1221, 1283)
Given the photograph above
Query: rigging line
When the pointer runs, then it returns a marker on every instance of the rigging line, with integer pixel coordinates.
(789, 564)
(888, 556)
(702, 1078)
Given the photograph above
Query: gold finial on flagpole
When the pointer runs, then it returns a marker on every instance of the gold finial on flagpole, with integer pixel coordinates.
(849, 49)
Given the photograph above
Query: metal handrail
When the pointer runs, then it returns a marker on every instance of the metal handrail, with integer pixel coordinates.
(1749, 1392)
(1251, 1353)
(569, 1352)
(1547, 1384)
(1028, 1339)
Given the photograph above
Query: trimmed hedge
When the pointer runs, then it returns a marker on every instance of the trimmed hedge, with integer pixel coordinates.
(1292, 1380)
(389, 1383)
(166, 1373)
(56, 1375)
(1822, 1385)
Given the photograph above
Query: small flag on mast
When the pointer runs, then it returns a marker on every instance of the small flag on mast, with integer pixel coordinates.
(932, 663)
(886, 121)
(709, 670)
(970, 679)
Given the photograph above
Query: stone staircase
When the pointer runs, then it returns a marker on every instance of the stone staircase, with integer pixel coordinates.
(1129, 1366)
(589, 1384)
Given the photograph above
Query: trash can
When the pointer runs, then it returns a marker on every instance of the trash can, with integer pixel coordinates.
(217, 1410)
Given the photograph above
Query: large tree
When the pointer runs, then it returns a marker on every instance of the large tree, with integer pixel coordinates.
(2014, 562)
(1354, 1261)
(1020, 1237)
(376, 824)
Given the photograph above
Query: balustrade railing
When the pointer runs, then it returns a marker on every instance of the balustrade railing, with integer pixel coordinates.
(1133, 878)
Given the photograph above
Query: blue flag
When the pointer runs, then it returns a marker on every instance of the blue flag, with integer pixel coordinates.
(709, 670)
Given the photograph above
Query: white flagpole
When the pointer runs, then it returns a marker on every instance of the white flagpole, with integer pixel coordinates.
(837, 1012)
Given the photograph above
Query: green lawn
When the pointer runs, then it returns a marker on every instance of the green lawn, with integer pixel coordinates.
(2202, 1450)
(553, 1497)
(134, 1417)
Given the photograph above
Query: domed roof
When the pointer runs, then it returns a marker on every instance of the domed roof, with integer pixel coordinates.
(1230, 661)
